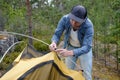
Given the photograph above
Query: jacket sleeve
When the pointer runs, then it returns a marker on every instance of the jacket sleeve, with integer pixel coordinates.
(87, 42)
(59, 30)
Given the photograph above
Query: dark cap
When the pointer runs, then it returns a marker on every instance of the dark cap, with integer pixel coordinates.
(78, 13)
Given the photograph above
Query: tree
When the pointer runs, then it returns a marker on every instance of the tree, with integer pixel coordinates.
(29, 13)
(116, 30)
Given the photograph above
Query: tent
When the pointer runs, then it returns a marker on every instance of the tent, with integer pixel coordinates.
(27, 66)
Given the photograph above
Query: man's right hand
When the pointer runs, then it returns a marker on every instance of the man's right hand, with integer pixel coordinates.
(53, 46)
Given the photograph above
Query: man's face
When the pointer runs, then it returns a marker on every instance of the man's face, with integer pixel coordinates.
(75, 24)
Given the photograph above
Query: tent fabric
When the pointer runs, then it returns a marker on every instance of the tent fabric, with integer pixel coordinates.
(47, 67)
(27, 53)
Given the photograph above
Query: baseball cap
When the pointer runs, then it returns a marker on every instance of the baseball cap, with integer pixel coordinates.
(78, 13)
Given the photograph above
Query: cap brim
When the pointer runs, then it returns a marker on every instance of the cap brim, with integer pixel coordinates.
(71, 16)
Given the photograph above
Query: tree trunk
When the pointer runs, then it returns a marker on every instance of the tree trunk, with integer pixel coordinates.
(1, 23)
(29, 22)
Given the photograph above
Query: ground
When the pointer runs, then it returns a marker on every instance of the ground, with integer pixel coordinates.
(100, 72)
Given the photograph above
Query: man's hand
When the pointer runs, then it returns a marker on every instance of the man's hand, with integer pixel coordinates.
(64, 52)
(53, 46)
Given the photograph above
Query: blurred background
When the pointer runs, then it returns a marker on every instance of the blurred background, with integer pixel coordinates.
(39, 18)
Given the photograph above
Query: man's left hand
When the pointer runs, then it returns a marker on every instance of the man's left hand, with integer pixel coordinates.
(65, 52)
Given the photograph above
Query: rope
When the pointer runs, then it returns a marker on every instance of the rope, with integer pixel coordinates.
(76, 65)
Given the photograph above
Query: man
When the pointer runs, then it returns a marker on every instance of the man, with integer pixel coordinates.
(78, 34)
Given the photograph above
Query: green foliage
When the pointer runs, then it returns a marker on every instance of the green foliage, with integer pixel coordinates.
(42, 33)
(116, 29)
(7, 61)
(40, 47)
(14, 15)
(20, 47)
(16, 20)
(119, 59)
(116, 4)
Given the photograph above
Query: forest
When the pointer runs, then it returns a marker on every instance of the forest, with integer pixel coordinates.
(39, 18)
